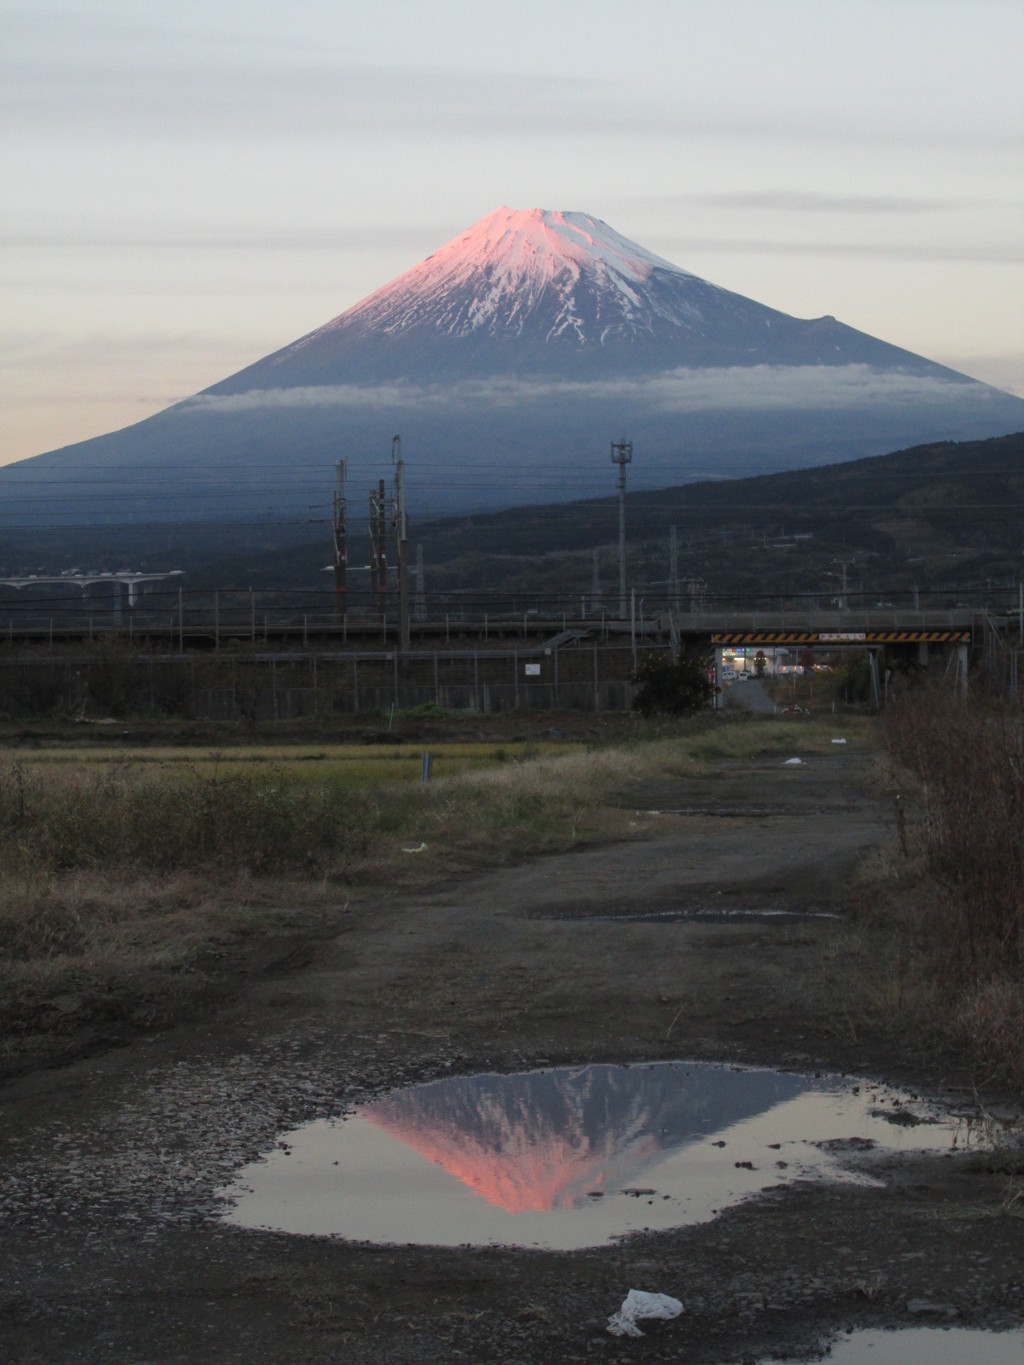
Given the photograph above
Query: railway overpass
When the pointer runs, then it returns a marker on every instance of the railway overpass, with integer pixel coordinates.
(282, 664)
(211, 618)
(893, 638)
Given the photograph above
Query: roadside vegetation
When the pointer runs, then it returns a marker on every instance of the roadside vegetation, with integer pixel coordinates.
(957, 777)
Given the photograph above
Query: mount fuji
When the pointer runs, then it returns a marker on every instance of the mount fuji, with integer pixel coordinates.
(509, 360)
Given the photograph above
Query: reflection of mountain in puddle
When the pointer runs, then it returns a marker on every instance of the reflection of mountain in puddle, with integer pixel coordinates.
(548, 1139)
(553, 1154)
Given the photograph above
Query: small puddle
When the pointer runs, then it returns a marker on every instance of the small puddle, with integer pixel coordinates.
(572, 1157)
(922, 1346)
(713, 915)
(725, 812)
(747, 812)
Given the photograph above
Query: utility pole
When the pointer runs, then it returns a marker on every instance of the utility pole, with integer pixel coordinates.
(401, 537)
(622, 453)
(340, 544)
(420, 603)
(378, 551)
(673, 569)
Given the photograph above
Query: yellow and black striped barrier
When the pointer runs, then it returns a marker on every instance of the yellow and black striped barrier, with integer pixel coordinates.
(840, 637)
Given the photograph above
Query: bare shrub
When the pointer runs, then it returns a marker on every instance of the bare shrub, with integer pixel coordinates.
(969, 761)
(113, 675)
(961, 765)
(991, 1020)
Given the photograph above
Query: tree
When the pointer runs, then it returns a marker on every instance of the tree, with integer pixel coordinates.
(675, 689)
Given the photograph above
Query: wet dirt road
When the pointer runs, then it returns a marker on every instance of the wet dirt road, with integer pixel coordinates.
(113, 1248)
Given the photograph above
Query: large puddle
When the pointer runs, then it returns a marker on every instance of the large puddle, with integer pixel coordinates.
(570, 1158)
(923, 1346)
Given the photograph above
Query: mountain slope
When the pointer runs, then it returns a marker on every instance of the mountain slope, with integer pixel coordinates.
(943, 518)
(523, 291)
(508, 360)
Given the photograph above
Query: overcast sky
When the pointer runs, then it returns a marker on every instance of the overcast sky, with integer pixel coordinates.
(191, 184)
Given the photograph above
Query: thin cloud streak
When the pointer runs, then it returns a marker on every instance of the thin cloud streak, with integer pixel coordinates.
(349, 101)
(804, 201)
(260, 99)
(759, 387)
(346, 239)
(907, 251)
(146, 237)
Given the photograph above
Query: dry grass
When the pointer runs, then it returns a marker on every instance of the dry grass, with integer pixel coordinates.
(748, 735)
(353, 765)
(87, 952)
(128, 889)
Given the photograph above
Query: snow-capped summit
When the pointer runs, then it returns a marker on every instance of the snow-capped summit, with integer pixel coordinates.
(493, 276)
(509, 359)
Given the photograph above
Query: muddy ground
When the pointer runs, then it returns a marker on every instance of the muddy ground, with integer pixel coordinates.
(112, 1246)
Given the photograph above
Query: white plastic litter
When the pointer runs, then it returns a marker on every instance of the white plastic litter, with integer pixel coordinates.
(638, 1303)
(420, 848)
(839, 741)
(792, 762)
